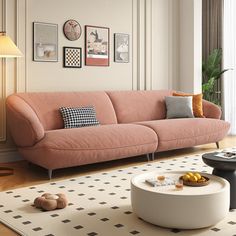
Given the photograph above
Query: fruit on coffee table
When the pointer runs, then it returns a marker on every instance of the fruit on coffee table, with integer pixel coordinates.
(193, 177)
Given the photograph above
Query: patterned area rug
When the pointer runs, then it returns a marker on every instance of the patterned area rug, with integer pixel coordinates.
(99, 204)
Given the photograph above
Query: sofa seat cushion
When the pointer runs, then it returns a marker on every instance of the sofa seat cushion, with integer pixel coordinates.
(71, 147)
(187, 132)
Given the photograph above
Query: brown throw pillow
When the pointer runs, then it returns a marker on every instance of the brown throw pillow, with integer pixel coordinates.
(197, 103)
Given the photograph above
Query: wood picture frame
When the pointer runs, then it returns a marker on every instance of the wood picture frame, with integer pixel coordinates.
(97, 48)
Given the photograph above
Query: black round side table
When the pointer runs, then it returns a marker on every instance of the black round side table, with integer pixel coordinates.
(225, 168)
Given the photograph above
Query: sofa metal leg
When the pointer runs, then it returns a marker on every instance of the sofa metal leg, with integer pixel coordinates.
(148, 157)
(217, 145)
(49, 174)
(153, 156)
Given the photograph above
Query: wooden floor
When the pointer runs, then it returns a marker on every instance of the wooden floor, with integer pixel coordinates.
(26, 174)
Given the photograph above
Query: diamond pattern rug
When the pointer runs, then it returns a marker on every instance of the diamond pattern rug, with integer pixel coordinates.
(99, 204)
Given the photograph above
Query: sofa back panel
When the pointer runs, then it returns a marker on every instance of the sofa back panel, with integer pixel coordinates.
(46, 106)
(134, 106)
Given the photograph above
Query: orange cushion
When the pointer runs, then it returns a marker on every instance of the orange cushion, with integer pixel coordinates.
(197, 103)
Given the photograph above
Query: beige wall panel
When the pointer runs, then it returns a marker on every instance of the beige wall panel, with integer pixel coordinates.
(51, 76)
(165, 44)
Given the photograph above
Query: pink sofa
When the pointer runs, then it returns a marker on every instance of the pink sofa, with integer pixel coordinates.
(132, 123)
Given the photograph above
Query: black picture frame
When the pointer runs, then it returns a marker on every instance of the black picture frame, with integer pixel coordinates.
(72, 53)
(121, 48)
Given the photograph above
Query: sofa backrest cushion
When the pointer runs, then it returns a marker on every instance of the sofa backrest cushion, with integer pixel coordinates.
(46, 106)
(134, 106)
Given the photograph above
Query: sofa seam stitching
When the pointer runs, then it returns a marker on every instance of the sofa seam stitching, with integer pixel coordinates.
(89, 149)
(177, 138)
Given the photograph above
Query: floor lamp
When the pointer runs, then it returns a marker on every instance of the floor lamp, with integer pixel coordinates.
(7, 49)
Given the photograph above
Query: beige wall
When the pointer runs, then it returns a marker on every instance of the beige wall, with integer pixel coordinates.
(165, 44)
(153, 26)
(116, 15)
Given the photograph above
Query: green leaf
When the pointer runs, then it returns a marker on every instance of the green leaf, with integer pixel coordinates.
(211, 71)
(214, 58)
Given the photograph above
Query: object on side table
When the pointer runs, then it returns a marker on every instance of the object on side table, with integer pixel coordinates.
(225, 168)
(7, 49)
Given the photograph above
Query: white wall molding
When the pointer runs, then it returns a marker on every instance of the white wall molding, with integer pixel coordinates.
(3, 77)
(190, 45)
(9, 155)
(134, 44)
(21, 40)
(148, 45)
(12, 78)
(141, 54)
(170, 45)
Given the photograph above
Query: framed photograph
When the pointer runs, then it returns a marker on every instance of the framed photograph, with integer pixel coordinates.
(72, 57)
(45, 42)
(72, 30)
(121, 48)
(96, 46)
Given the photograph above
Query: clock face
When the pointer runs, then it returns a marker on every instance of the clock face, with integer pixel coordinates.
(72, 30)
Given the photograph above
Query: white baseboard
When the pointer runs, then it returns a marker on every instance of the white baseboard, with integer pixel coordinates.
(10, 156)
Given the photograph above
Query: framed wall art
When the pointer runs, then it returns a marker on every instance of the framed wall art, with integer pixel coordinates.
(45, 42)
(96, 46)
(72, 30)
(121, 48)
(72, 57)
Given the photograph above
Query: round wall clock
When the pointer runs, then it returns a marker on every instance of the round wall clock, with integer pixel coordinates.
(72, 30)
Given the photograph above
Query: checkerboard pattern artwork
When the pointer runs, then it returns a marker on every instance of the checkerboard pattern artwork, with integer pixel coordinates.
(72, 57)
(99, 205)
(78, 117)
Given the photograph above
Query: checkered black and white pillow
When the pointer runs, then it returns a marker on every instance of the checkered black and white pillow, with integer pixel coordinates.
(78, 117)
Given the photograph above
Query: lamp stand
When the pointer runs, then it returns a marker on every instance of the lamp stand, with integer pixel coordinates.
(7, 49)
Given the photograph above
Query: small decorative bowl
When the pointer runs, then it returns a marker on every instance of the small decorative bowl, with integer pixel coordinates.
(196, 184)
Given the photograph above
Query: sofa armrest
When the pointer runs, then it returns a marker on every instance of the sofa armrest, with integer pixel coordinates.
(210, 110)
(25, 127)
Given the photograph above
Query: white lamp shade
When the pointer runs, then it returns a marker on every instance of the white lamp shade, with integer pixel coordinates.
(8, 48)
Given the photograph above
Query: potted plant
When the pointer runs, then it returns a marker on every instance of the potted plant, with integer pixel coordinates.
(211, 72)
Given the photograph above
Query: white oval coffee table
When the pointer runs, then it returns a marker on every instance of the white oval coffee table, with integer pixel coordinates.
(190, 208)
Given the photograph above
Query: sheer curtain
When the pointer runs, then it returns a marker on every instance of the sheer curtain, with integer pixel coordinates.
(229, 61)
